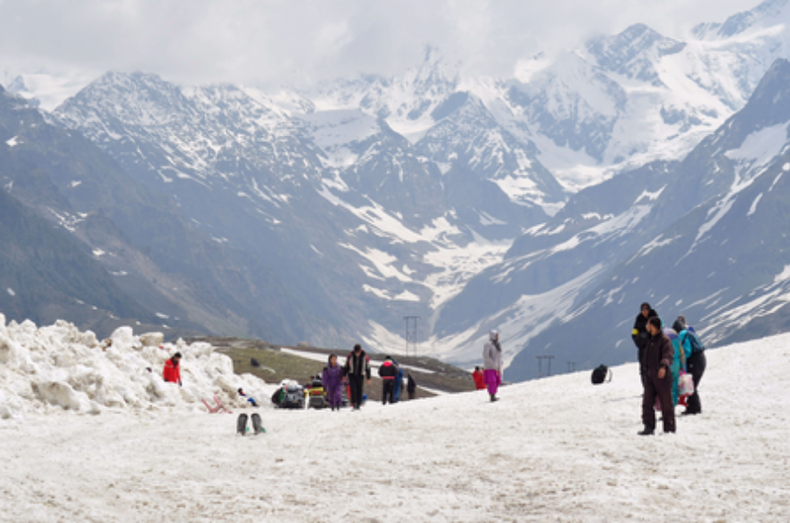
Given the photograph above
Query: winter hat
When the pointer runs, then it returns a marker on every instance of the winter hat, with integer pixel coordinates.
(678, 326)
(492, 334)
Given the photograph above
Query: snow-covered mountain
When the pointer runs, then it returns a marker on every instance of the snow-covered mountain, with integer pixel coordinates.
(467, 201)
(703, 237)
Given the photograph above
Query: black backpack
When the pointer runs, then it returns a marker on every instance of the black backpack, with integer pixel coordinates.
(599, 375)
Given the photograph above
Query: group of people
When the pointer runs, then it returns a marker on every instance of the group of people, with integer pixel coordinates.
(663, 354)
(356, 373)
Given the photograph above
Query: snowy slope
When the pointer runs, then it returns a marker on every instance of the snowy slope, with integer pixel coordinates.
(556, 449)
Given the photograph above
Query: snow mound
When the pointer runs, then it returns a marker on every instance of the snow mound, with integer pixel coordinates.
(60, 368)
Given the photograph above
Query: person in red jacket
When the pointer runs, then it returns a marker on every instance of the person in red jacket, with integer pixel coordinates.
(388, 373)
(172, 370)
(477, 375)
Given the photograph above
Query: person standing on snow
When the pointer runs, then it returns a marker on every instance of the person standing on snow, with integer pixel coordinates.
(357, 369)
(411, 387)
(492, 364)
(477, 376)
(388, 372)
(332, 378)
(657, 382)
(640, 335)
(172, 370)
(695, 363)
(398, 383)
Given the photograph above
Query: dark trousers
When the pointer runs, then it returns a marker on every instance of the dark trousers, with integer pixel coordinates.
(388, 391)
(357, 384)
(696, 364)
(661, 389)
(412, 394)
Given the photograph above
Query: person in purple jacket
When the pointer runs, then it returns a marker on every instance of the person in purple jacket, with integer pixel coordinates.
(332, 379)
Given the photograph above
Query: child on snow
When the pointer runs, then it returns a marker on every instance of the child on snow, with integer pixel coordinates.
(332, 378)
(249, 399)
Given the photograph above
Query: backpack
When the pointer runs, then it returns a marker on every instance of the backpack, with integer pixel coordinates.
(599, 375)
(696, 343)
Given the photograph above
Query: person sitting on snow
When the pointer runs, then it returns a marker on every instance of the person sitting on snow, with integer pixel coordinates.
(172, 370)
(249, 399)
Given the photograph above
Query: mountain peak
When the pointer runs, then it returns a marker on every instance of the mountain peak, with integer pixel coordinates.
(766, 14)
(633, 52)
(771, 98)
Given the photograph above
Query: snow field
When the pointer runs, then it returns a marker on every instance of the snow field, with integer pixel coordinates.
(557, 449)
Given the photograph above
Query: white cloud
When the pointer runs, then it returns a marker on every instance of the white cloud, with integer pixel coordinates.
(261, 41)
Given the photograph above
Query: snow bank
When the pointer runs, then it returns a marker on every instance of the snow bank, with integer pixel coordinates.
(58, 367)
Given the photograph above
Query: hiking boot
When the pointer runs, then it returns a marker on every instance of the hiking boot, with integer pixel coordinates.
(646, 432)
(494, 398)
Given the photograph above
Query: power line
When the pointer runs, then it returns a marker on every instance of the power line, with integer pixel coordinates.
(540, 364)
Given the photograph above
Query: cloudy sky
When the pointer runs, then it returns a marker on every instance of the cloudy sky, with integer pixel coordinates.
(268, 41)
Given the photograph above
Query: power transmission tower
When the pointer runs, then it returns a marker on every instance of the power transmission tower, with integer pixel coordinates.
(411, 333)
(540, 364)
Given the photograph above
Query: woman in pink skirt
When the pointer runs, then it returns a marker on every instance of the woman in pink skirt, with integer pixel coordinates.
(492, 364)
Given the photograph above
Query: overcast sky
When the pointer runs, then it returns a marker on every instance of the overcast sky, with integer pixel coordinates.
(267, 41)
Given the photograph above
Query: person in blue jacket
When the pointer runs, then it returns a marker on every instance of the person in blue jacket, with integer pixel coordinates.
(677, 363)
(398, 383)
(695, 363)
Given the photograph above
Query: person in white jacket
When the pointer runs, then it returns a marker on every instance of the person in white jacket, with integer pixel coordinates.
(492, 364)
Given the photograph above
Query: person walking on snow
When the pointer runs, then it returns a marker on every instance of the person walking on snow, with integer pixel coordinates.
(492, 364)
(657, 382)
(332, 377)
(172, 370)
(357, 369)
(477, 376)
(388, 372)
(640, 335)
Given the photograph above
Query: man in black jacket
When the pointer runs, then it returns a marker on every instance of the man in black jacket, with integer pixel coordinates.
(640, 335)
(658, 356)
(357, 369)
(411, 387)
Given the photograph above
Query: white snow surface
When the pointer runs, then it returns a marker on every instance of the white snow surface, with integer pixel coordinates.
(557, 449)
